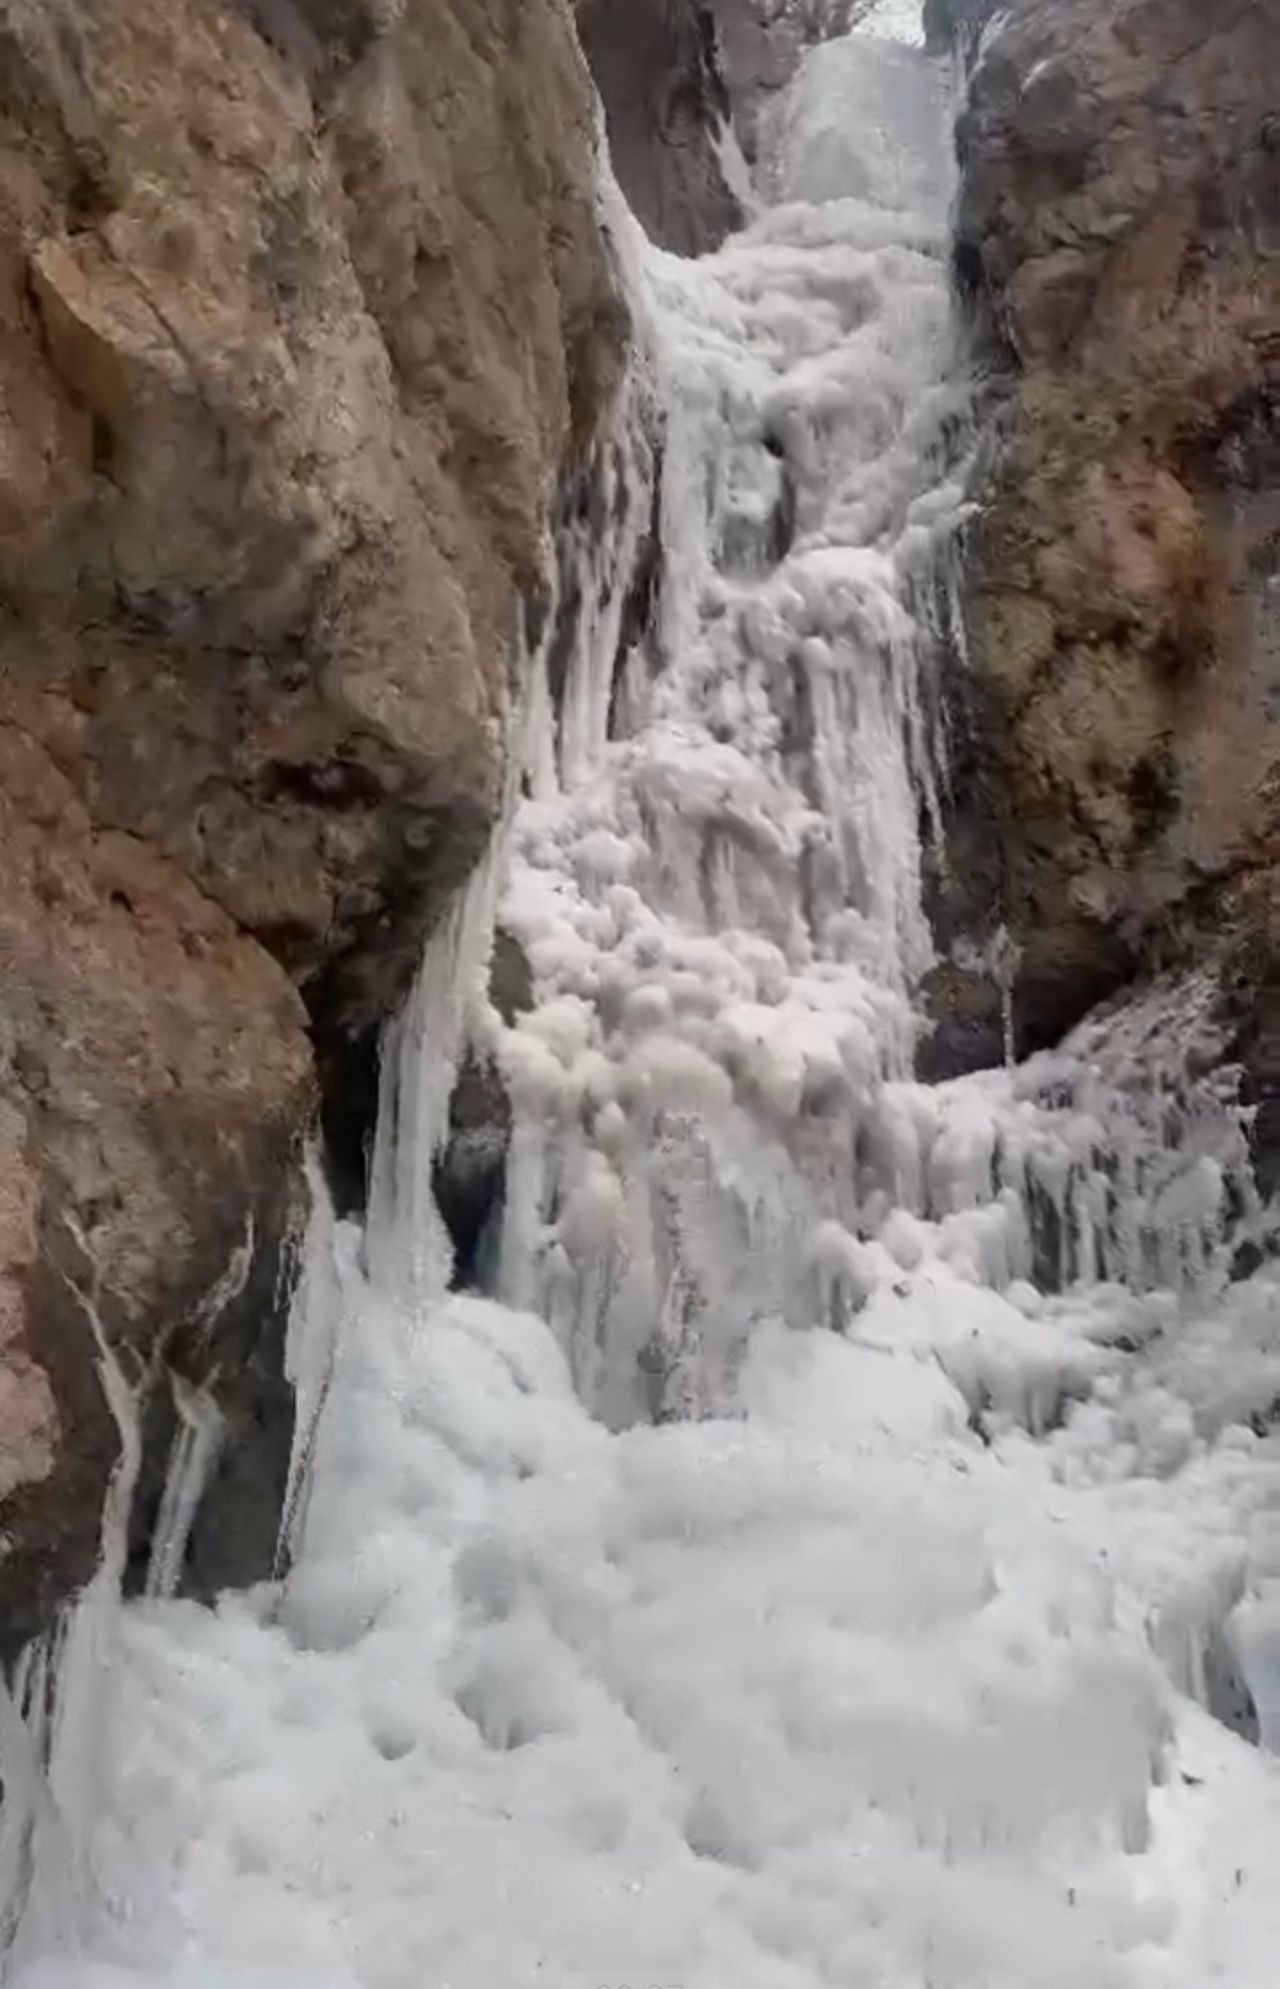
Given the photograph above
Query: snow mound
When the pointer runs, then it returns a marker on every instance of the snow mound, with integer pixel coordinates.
(783, 1699)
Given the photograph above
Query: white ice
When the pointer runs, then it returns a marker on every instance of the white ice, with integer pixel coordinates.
(850, 1553)
(827, 1693)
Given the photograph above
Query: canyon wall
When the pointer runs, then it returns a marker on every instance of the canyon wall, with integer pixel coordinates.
(1119, 739)
(304, 310)
(656, 65)
(675, 75)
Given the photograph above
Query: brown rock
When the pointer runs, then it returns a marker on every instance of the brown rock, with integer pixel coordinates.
(155, 1080)
(303, 307)
(1120, 224)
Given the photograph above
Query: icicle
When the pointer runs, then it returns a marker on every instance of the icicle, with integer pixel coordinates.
(311, 1348)
(198, 1434)
(195, 1449)
(25, 1717)
(232, 1282)
(597, 552)
(63, 1801)
(409, 1254)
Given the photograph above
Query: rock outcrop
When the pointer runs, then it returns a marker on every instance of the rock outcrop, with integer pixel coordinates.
(656, 66)
(675, 75)
(1119, 230)
(303, 308)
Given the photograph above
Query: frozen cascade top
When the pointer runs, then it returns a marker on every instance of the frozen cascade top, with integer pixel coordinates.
(716, 873)
(857, 122)
(894, 20)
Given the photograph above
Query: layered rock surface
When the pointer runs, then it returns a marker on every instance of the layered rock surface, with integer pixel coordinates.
(1120, 229)
(673, 76)
(303, 307)
(656, 66)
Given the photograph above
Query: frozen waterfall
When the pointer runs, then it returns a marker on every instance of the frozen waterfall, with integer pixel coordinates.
(839, 1541)
(716, 873)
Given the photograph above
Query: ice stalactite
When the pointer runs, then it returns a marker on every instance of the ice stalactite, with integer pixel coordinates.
(720, 897)
(194, 1451)
(56, 1718)
(407, 1245)
(311, 1352)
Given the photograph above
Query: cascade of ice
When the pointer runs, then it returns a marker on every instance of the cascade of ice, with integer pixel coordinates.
(718, 881)
(716, 869)
(719, 892)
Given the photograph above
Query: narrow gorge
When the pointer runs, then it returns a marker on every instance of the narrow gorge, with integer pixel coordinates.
(639, 1062)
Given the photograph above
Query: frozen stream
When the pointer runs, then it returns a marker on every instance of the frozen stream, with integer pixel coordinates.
(843, 1547)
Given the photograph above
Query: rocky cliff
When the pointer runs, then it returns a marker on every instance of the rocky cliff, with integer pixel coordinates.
(656, 64)
(675, 75)
(1119, 234)
(303, 309)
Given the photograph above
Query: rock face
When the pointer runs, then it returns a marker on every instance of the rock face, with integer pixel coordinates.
(293, 347)
(672, 74)
(655, 65)
(1120, 230)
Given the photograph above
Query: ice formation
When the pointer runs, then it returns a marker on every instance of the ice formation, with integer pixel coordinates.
(842, 1544)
